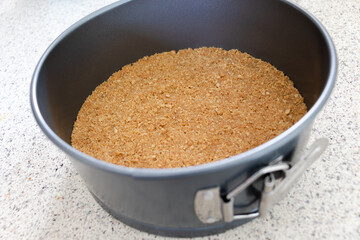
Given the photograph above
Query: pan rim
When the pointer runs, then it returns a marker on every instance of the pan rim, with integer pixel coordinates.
(242, 158)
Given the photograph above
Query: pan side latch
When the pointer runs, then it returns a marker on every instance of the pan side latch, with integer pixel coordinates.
(211, 207)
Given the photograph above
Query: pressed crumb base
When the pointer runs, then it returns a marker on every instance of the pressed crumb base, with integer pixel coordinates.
(185, 108)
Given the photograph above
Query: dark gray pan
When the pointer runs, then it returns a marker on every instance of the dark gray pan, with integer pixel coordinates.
(161, 201)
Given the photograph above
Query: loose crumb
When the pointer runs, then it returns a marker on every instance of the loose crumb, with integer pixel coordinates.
(185, 108)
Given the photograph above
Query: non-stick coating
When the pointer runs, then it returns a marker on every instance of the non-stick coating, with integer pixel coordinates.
(91, 50)
(89, 55)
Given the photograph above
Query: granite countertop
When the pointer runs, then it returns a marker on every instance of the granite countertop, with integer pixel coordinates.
(43, 197)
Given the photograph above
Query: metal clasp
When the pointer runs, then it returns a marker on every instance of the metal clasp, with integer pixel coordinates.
(211, 207)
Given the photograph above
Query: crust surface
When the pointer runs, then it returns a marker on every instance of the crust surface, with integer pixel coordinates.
(185, 108)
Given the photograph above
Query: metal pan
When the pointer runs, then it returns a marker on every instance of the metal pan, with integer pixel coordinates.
(203, 199)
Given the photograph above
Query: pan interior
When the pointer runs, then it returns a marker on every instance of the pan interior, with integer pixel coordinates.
(88, 53)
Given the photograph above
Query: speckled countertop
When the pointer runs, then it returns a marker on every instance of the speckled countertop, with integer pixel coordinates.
(43, 197)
